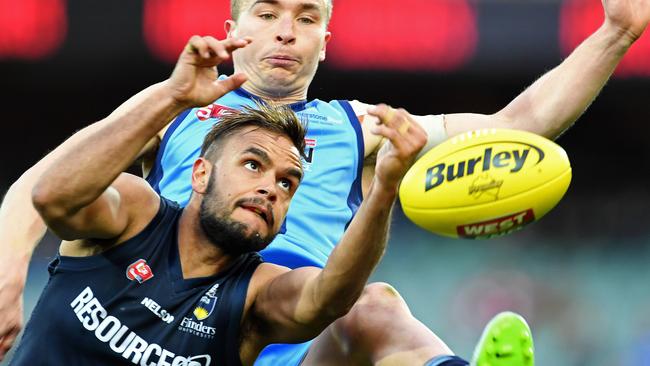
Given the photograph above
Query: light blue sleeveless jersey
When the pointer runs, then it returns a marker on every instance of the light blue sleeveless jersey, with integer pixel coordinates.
(328, 196)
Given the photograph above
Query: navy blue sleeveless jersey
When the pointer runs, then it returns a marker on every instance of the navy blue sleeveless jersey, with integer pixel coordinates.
(131, 305)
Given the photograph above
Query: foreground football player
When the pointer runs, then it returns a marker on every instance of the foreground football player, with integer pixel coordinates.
(141, 280)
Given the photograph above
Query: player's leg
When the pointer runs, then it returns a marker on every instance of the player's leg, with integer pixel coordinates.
(378, 330)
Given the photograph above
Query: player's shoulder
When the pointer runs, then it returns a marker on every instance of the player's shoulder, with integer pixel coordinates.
(142, 202)
(135, 188)
(263, 275)
(268, 271)
(359, 108)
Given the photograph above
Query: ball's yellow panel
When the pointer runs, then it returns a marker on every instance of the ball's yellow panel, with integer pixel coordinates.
(485, 183)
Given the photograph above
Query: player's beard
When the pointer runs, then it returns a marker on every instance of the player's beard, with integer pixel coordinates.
(223, 232)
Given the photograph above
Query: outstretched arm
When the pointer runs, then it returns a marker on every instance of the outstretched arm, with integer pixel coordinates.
(73, 194)
(556, 100)
(299, 304)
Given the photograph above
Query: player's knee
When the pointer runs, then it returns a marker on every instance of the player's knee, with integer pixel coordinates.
(380, 293)
(378, 307)
(379, 300)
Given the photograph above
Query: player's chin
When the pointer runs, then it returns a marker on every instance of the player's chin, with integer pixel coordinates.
(258, 238)
(255, 225)
(260, 231)
(281, 77)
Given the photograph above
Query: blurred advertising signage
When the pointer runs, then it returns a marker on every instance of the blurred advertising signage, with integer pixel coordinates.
(367, 34)
(580, 18)
(402, 35)
(31, 29)
(168, 24)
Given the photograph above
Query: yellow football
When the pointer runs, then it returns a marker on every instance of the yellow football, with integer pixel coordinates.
(485, 183)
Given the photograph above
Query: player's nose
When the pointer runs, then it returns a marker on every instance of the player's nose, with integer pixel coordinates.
(285, 31)
(268, 189)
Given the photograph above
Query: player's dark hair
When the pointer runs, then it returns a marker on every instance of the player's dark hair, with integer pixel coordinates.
(274, 118)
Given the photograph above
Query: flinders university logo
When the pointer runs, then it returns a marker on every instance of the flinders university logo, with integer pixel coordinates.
(206, 304)
(194, 325)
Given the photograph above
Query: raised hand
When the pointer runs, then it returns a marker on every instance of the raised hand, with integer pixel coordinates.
(11, 310)
(405, 140)
(194, 81)
(629, 16)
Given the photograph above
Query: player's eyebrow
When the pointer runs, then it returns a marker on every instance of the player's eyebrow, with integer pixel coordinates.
(266, 159)
(295, 172)
(306, 6)
(270, 2)
(309, 6)
(261, 154)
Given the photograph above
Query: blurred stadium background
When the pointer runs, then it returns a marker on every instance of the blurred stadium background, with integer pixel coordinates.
(580, 276)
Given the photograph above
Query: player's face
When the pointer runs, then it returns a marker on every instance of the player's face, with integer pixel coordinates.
(249, 190)
(289, 38)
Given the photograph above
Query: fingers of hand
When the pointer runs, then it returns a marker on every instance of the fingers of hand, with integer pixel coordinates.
(198, 46)
(389, 116)
(418, 135)
(225, 48)
(394, 119)
(191, 49)
(7, 340)
(232, 44)
(231, 83)
(385, 131)
(211, 48)
(404, 127)
(384, 112)
(397, 118)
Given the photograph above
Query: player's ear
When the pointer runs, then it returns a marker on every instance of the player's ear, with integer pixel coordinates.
(230, 26)
(201, 175)
(328, 36)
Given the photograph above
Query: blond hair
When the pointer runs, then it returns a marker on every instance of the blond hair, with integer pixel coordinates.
(236, 8)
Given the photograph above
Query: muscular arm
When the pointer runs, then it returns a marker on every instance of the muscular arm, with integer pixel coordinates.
(21, 229)
(299, 304)
(553, 102)
(73, 195)
(548, 107)
(556, 100)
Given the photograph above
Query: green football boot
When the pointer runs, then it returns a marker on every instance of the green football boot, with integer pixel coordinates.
(506, 341)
